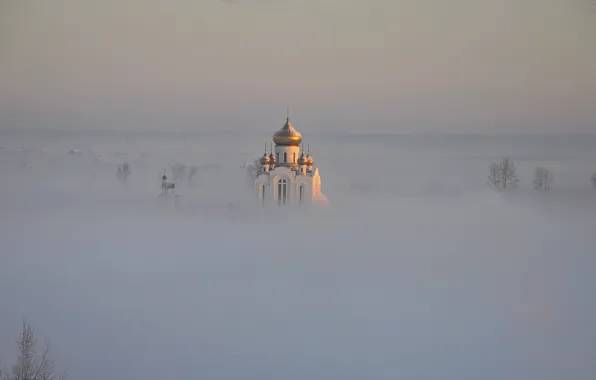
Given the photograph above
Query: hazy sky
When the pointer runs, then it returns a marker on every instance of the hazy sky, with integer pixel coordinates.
(378, 65)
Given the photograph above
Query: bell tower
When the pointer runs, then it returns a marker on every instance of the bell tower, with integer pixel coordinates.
(287, 145)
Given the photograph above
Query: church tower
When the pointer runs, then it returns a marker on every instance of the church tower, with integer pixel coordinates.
(287, 145)
(287, 176)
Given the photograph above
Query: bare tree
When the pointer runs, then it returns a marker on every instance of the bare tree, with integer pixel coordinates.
(502, 176)
(494, 179)
(29, 364)
(542, 179)
(178, 171)
(508, 178)
(193, 172)
(123, 171)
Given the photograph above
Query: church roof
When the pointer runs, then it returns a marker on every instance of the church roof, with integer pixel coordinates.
(287, 135)
(302, 160)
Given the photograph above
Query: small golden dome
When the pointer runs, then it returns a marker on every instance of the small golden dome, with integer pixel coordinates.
(310, 161)
(302, 160)
(272, 158)
(265, 159)
(287, 135)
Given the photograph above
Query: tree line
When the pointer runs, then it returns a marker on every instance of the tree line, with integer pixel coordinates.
(502, 176)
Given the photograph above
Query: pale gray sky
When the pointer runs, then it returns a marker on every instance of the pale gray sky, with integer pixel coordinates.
(378, 65)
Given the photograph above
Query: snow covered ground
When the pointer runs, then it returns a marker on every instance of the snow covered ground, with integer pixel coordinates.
(416, 270)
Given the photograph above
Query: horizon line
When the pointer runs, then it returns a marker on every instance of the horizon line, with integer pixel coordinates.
(259, 131)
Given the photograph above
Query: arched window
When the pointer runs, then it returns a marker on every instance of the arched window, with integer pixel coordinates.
(282, 192)
(285, 157)
(293, 158)
(301, 194)
(263, 195)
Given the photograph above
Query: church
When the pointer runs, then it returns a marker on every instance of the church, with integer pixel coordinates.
(287, 176)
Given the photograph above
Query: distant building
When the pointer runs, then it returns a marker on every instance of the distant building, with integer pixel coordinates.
(167, 188)
(287, 176)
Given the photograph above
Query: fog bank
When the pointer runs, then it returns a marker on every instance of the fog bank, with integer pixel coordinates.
(418, 274)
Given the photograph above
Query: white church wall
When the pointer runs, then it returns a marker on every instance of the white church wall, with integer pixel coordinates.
(316, 183)
(275, 187)
(266, 187)
(262, 193)
(306, 183)
(291, 151)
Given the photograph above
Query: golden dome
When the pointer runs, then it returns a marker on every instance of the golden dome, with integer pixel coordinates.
(302, 160)
(310, 161)
(272, 158)
(287, 135)
(265, 159)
